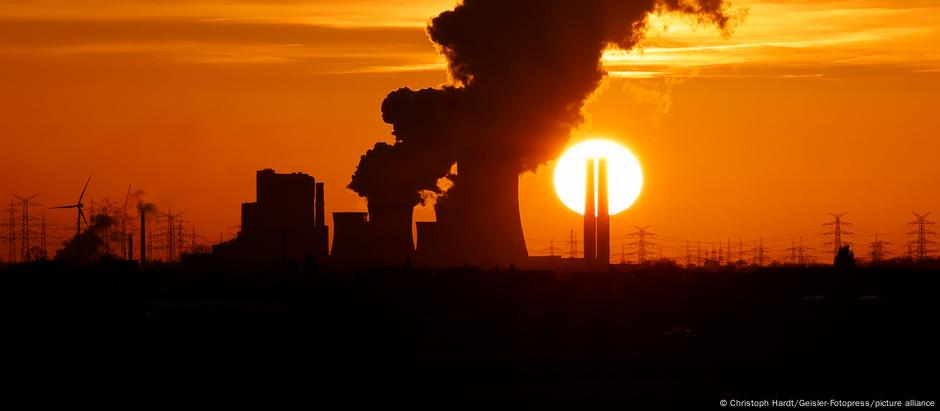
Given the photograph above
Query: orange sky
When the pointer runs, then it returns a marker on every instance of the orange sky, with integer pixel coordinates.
(809, 106)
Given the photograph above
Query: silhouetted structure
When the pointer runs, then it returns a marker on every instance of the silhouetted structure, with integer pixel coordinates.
(596, 213)
(389, 228)
(603, 213)
(921, 244)
(352, 238)
(143, 235)
(79, 205)
(497, 117)
(838, 232)
(478, 219)
(11, 233)
(878, 251)
(590, 217)
(643, 244)
(282, 223)
(26, 252)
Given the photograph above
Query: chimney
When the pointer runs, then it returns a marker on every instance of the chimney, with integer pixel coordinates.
(320, 205)
(143, 237)
(603, 213)
(590, 219)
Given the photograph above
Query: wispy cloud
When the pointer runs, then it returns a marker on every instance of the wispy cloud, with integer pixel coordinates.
(810, 38)
(784, 38)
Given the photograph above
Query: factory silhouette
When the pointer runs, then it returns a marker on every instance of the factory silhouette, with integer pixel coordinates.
(287, 221)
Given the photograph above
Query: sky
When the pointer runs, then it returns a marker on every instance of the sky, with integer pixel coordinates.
(806, 107)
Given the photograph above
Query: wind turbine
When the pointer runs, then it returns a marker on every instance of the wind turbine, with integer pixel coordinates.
(79, 205)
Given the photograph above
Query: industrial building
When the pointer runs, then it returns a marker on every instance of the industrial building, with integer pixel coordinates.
(287, 221)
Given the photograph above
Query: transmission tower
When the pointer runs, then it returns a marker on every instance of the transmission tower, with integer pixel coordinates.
(698, 257)
(642, 244)
(838, 233)
(921, 244)
(791, 259)
(878, 251)
(172, 235)
(760, 252)
(728, 257)
(42, 237)
(802, 257)
(180, 240)
(25, 250)
(11, 234)
(688, 254)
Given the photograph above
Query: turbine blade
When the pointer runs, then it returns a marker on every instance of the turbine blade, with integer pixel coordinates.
(65, 206)
(127, 197)
(82, 214)
(83, 190)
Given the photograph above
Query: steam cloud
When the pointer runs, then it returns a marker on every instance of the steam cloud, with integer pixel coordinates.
(520, 72)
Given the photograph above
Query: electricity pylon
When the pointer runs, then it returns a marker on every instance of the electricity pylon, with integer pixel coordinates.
(838, 232)
(25, 252)
(642, 244)
(878, 251)
(920, 245)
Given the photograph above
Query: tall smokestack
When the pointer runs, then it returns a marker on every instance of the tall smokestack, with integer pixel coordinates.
(590, 219)
(603, 213)
(143, 237)
(320, 203)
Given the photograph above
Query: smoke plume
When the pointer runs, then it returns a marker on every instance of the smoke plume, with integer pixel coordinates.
(145, 208)
(520, 71)
(89, 245)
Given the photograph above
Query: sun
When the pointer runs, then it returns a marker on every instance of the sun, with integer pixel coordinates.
(625, 177)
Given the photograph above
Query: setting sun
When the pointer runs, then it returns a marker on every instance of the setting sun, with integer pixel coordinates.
(625, 175)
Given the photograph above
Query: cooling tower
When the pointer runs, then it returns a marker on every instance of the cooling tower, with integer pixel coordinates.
(390, 225)
(478, 219)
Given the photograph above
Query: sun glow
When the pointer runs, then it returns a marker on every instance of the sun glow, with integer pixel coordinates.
(625, 177)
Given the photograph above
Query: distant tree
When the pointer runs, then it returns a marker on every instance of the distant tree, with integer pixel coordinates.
(845, 258)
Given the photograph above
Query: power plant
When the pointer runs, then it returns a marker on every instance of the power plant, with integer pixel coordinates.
(286, 221)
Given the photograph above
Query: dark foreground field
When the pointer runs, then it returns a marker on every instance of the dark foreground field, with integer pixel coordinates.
(466, 338)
